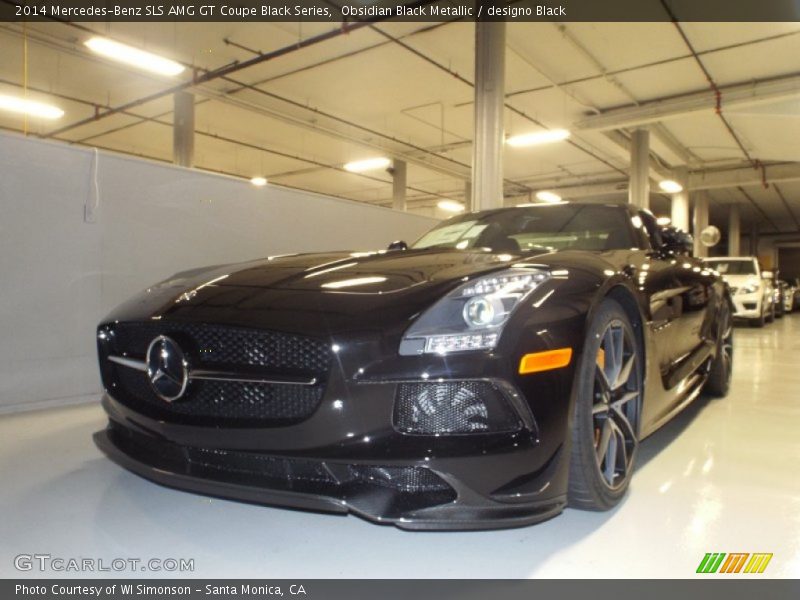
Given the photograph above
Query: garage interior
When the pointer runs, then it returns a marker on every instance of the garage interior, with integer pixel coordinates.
(286, 137)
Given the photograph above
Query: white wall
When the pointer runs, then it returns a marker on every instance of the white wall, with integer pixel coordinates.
(60, 274)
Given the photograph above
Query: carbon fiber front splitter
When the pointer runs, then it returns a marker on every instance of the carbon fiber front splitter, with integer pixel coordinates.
(440, 509)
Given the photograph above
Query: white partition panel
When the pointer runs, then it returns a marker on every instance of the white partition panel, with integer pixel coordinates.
(80, 231)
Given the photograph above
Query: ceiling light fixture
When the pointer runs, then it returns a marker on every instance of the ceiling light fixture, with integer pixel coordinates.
(30, 107)
(450, 206)
(133, 56)
(259, 181)
(368, 164)
(670, 186)
(540, 137)
(550, 197)
(663, 221)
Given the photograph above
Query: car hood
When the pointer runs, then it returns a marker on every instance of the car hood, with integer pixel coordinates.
(334, 290)
(348, 272)
(741, 280)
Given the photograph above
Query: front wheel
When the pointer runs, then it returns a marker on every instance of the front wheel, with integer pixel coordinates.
(607, 410)
(719, 375)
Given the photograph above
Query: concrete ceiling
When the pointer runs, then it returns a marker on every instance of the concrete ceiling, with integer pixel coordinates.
(404, 89)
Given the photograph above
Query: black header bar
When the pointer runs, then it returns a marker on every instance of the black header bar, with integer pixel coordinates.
(388, 589)
(332, 11)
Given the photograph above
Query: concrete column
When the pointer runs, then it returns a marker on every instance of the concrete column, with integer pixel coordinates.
(680, 203)
(487, 148)
(754, 240)
(639, 186)
(680, 210)
(700, 223)
(183, 129)
(734, 231)
(399, 179)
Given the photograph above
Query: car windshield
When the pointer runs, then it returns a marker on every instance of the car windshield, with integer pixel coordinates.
(734, 267)
(535, 229)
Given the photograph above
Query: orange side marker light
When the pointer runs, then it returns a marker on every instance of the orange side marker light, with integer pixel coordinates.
(545, 361)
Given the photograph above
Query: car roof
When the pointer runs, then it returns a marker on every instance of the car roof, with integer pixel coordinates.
(729, 258)
(618, 205)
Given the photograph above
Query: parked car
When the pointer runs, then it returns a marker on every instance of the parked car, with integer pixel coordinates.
(792, 295)
(780, 295)
(504, 365)
(751, 289)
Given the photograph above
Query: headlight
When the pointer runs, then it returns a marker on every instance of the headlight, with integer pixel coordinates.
(472, 316)
(750, 288)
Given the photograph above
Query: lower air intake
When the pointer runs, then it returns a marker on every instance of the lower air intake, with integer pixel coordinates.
(452, 407)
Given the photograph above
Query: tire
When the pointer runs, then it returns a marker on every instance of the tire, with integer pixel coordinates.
(606, 412)
(771, 314)
(759, 322)
(719, 375)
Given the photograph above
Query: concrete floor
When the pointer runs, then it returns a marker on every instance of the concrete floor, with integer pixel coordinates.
(723, 477)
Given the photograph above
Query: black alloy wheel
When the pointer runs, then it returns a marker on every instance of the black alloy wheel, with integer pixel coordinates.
(608, 403)
(721, 369)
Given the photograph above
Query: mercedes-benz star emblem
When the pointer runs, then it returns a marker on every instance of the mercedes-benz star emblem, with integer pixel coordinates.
(167, 368)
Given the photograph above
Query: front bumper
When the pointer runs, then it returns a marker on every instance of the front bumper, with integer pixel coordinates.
(415, 495)
(348, 455)
(748, 306)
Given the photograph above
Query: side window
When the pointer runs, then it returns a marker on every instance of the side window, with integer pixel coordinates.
(653, 230)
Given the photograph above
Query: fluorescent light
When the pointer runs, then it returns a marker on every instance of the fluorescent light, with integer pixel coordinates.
(669, 186)
(540, 137)
(368, 164)
(133, 56)
(546, 196)
(259, 181)
(450, 206)
(346, 283)
(663, 221)
(30, 108)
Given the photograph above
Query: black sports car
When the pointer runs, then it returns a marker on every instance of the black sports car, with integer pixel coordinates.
(504, 366)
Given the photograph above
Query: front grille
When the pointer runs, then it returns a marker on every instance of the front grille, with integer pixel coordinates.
(281, 473)
(452, 407)
(221, 403)
(233, 346)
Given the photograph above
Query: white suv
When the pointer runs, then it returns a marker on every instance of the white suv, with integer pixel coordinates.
(750, 287)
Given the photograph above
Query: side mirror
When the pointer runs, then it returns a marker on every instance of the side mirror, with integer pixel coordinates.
(398, 245)
(676, 241)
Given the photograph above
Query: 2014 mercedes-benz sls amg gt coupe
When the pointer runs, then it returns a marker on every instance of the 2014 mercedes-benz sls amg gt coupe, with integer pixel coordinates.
(505, 365)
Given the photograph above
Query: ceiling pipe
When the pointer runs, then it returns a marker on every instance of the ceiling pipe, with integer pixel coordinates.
(317, 165)
(742, 94)
(508, 106)
(658, 131)
(786, 205)
(225, 71)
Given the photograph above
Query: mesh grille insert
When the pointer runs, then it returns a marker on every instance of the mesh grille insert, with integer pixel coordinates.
(222, 403)
(222, 345)
(219, 402)
(452, 407)
(279, 472)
